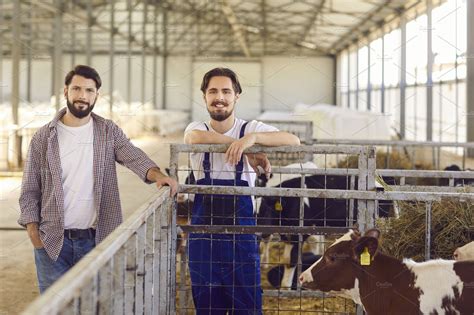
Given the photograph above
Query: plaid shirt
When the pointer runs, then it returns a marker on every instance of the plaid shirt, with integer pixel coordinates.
(42, 199)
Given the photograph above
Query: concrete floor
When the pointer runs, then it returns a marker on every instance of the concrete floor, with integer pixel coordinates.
(17, 269)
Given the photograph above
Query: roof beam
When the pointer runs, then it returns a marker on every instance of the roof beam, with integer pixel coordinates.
(359, 27)
(313, 20)
(84, 18)
(236, 27)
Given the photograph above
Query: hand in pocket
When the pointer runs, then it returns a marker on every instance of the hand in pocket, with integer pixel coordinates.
(33, 233)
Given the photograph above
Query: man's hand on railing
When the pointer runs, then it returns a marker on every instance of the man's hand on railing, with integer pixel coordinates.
(260, 163)
(155, 175)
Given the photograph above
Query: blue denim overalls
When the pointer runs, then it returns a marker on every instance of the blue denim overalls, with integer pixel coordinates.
(224, 268)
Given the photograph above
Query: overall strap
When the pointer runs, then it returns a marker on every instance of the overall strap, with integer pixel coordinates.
(240, 166)
(206, 163)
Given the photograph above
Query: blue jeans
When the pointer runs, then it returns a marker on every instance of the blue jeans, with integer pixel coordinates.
(48, 270)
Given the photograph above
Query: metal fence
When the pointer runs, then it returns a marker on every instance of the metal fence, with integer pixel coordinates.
(303, 130)
(366, 196)
(420, 153)
(130, 272)
(134, 270)
(438, 154)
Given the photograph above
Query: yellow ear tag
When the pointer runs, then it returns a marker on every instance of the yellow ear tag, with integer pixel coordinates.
(365, 257)
(278, 206)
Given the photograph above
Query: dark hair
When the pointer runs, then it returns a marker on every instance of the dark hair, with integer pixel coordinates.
(221, 72)
(86, 72)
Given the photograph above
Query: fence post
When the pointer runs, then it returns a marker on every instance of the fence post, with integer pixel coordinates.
(140, 273)
(164, 284)
(362, 185)
(130, 273)
(428, 231)
(371, 166)
(118, 282)
(149, 256)
(366, 208)
(170, 207)
(157, 261)
(105, 289)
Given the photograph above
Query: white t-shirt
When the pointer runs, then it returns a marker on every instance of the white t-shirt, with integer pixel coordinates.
(76, 150)
(219, 168)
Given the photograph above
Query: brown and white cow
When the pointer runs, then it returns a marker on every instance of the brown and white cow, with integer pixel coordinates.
(465, 252)
(388, 285)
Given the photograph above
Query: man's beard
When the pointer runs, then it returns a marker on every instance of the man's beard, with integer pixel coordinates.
(221, 115)
(79, 113)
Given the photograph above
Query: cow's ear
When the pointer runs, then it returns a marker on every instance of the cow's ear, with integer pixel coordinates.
(369, 242)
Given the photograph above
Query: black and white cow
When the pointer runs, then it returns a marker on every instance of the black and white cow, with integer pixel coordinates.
(284, 276)
(276, 275)
(458, 182)
(285, 211)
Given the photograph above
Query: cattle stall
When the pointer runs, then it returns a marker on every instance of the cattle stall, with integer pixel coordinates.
(135, 269)
(360, 194)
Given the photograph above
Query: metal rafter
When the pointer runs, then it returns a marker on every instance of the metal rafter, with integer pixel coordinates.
(265, 27)
(313, 20)
(84, 19)
(236, 27)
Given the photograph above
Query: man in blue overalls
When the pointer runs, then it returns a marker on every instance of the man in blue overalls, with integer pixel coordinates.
(225, 268)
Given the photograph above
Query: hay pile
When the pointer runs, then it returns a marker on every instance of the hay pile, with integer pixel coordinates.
(452, 225)
(396, 160)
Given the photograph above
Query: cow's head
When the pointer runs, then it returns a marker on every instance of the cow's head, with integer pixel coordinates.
(338, 268)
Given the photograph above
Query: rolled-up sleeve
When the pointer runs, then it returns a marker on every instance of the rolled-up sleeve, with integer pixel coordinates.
(130, 156)
(30, 196)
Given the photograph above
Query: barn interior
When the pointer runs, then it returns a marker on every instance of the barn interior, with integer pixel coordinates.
(395, 76)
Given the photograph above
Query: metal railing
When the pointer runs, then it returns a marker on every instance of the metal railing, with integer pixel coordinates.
(133, 271)
(410, 148)
(366, 197)
(130, 272)
(303, 130)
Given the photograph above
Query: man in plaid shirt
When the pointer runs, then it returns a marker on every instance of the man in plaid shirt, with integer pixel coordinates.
(69, 198)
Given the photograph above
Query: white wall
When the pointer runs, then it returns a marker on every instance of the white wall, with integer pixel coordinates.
(273, 83)
(40, 80)
(291, 80)
(178, 87)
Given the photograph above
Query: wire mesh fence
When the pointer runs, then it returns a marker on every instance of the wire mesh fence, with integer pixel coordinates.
(144, 265)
